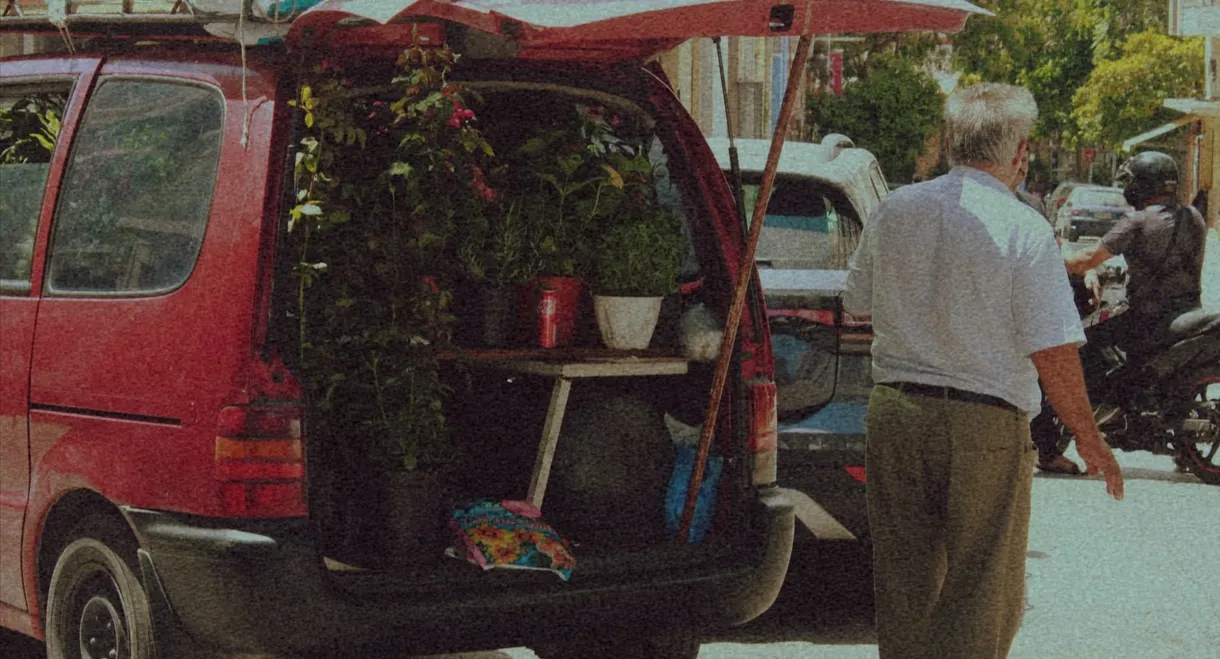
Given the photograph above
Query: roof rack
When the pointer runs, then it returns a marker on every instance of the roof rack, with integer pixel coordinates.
(34, 12)
(265, 20)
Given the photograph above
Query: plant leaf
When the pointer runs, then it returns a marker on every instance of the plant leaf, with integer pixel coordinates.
(616, 179)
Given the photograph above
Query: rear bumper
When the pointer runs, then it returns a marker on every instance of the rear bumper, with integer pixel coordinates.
(830, 502)
(252, 591)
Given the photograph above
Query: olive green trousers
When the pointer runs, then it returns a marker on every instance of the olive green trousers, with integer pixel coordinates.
(948, 507)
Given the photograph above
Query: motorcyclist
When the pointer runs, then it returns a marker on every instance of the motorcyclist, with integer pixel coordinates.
(1162, 242)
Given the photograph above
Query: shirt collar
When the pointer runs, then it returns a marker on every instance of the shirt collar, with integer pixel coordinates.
(979, 176)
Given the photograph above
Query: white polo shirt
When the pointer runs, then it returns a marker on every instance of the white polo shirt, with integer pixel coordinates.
(964, 282)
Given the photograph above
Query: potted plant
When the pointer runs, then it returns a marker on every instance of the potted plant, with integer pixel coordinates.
(496, 262)
(638, 259)
(564, 183)
(384, 185)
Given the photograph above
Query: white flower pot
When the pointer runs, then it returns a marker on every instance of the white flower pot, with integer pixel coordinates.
(626, 323)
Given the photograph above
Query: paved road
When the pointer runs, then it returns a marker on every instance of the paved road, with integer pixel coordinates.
(1136, 579)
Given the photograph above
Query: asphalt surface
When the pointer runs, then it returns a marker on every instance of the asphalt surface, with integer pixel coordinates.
(1135, 579)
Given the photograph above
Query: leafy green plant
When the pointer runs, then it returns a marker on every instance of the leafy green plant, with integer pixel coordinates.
(567, 180)
(642, 245)
(496, 251)
(384, 183)
(641, 258)
(30, 127)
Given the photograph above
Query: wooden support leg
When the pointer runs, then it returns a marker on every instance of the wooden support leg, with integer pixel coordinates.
(550, 437)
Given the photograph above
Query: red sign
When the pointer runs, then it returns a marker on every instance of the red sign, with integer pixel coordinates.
(1089, 155)
(836, 72)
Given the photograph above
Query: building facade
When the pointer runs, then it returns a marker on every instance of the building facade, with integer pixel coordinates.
(755, 73)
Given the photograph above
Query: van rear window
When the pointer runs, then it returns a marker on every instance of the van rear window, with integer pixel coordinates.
(808, 226)
(138, 189)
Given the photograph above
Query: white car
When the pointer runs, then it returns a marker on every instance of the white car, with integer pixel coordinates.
(822, 197)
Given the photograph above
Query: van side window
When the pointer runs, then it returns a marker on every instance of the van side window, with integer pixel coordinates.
(138, 189)
(30, 117)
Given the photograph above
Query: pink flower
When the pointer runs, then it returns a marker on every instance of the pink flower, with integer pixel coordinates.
(488, 193)
(479, 185)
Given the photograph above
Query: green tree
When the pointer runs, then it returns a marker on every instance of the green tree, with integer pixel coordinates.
(1045, 45)
(892, 112)
(1050, 47)
(1125, 96)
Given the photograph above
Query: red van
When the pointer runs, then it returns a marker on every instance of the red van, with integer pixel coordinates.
(161, 492)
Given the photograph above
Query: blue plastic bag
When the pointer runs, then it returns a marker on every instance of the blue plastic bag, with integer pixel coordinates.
(675, 497)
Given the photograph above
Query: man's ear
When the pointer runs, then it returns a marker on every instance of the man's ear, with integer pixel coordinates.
(1022, 152)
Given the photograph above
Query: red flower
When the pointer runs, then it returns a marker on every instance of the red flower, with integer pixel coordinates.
(459, 115)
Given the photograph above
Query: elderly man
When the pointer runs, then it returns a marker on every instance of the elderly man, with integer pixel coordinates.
(970, 306)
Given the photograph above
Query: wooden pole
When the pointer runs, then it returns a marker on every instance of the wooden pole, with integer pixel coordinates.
(744, 277)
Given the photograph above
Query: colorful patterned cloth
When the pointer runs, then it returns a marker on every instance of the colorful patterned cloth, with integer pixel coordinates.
(509, 534)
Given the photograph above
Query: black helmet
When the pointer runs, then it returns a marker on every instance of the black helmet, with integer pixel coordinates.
(1146, 176)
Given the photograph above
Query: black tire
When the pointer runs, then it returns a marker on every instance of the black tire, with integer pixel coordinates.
(97, 608)
(1199, 447)
(678, 645)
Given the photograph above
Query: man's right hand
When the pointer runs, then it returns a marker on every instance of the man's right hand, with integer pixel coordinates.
(1063, 380)
(1099, 460)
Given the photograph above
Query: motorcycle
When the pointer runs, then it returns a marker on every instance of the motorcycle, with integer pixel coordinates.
(1177, 411)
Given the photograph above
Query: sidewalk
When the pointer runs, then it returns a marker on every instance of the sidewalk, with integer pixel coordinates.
(1211, 271)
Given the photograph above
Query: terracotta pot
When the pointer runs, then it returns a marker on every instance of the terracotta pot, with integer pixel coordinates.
(626, 323)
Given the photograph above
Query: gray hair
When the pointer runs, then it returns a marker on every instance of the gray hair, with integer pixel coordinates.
(985, 122)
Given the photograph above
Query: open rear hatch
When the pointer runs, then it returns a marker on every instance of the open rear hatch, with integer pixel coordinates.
(618, 30)
(615, 453)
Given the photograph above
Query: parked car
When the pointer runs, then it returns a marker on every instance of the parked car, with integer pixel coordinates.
(823, 194)
(1089, 212)
(162, 488)
(1057, 197)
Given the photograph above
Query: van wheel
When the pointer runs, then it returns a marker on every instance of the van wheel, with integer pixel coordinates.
(675, 646)
(97, 607)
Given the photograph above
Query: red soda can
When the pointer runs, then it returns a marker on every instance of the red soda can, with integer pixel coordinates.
(548, 311)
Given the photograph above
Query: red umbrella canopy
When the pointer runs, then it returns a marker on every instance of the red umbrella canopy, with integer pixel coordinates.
(645, 27)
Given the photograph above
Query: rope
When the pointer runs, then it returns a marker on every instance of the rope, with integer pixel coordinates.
(57, 14)
(245, 101)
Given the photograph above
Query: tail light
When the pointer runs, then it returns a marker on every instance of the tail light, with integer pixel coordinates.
(857, 472)
(259, 453)
(1077, 211)
(764, 433)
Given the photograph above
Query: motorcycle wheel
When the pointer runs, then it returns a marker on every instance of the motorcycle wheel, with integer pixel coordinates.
(1199, 448)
